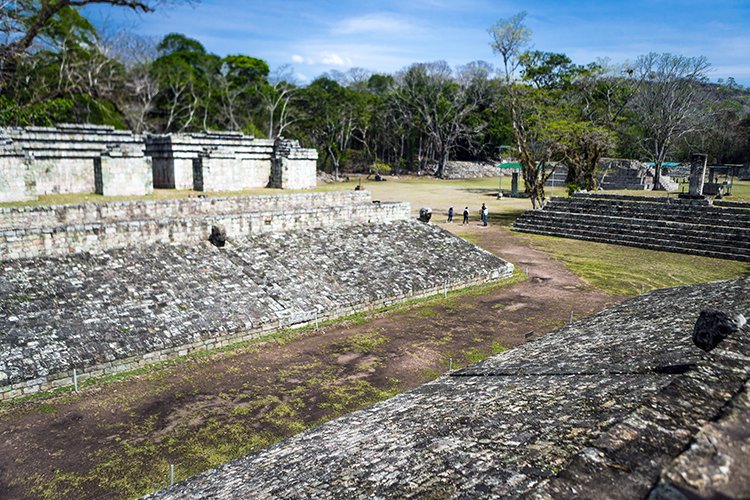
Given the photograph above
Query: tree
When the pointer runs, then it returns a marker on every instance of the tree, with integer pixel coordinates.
(549, 70)
(509, 38)
(23, 21)
(438, 106)
(668, 102)
(330, 119)
(277, 95)
(527, 109)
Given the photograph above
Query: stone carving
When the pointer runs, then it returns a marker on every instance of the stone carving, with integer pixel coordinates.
(697, 174)
(714, 326)
(218, 237)
(425, 214)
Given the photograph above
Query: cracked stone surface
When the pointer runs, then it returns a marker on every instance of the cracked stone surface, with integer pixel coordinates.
(599, 409)
(87, 309)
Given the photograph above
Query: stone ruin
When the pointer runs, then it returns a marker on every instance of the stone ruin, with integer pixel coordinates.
(229, 161)
(99, 159)
(720, 229)
(619, 405)
(108, 287)
(72, 159)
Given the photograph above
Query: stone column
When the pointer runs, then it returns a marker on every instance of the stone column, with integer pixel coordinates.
(697, 173)
(514, 185)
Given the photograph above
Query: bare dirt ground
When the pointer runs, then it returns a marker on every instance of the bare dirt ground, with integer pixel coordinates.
(117, 439)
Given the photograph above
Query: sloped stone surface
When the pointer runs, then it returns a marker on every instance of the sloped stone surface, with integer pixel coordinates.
(587, 411)
(88, 310)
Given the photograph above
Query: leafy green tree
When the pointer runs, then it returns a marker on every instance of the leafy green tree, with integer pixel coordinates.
(549, 70)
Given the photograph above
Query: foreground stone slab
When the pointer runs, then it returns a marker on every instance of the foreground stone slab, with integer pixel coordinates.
(602, 408)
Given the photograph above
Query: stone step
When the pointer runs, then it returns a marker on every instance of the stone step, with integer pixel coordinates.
(667, 244)
(654, 211)
(720, 233)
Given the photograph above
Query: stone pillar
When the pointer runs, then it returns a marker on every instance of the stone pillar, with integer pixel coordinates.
(123, 171)
(514, 185)
(293, 167)
(697, 173)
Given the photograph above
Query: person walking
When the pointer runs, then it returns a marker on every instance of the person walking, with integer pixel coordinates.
(450, 214)
(466, 215)
(485, 212)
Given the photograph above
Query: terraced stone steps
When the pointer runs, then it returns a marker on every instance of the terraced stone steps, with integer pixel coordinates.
(672, 225)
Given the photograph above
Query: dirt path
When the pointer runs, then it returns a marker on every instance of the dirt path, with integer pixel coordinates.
(117, 439)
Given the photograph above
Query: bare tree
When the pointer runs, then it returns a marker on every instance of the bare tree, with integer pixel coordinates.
(668, 102)
(510, 37)
(277, 98)
(439, 107)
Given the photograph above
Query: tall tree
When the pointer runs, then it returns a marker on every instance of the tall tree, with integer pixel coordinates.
(668, 102)
(23, 21)
(509, 39)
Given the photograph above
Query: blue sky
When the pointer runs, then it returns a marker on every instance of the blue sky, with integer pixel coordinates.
(387, 35)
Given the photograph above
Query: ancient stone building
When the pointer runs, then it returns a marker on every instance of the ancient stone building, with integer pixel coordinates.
(229, 161)
(616, 174)
(72, 159)
(100, 159)
(718, 229)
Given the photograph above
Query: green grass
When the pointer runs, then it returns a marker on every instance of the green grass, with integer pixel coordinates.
(629, 271)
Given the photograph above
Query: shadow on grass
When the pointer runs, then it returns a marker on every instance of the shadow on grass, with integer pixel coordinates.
(504, 219)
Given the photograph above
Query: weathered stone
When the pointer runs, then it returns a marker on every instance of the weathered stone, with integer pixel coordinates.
(714, 326)
(668, 224)
(425, 214)
(584, 412)
(73, 159)
(697, 174)
(218, 237)
(85, 310)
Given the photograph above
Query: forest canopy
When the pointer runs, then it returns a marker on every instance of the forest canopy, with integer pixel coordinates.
(55, 66)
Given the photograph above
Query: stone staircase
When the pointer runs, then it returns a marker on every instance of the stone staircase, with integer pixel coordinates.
(666, 224)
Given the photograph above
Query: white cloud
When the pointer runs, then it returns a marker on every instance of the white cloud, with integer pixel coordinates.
(334, 59)
(374, 24)
(297, 58)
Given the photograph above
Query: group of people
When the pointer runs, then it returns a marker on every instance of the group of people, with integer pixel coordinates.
(484, 213)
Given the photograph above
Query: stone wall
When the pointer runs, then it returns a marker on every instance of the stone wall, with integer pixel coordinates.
(603, 408)
(668, 224)
(293, 167)
(101, 227)
(471, 170)
(71, 159)
(92, 213)
(117, 310)
(618, 174)
(229, 161)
